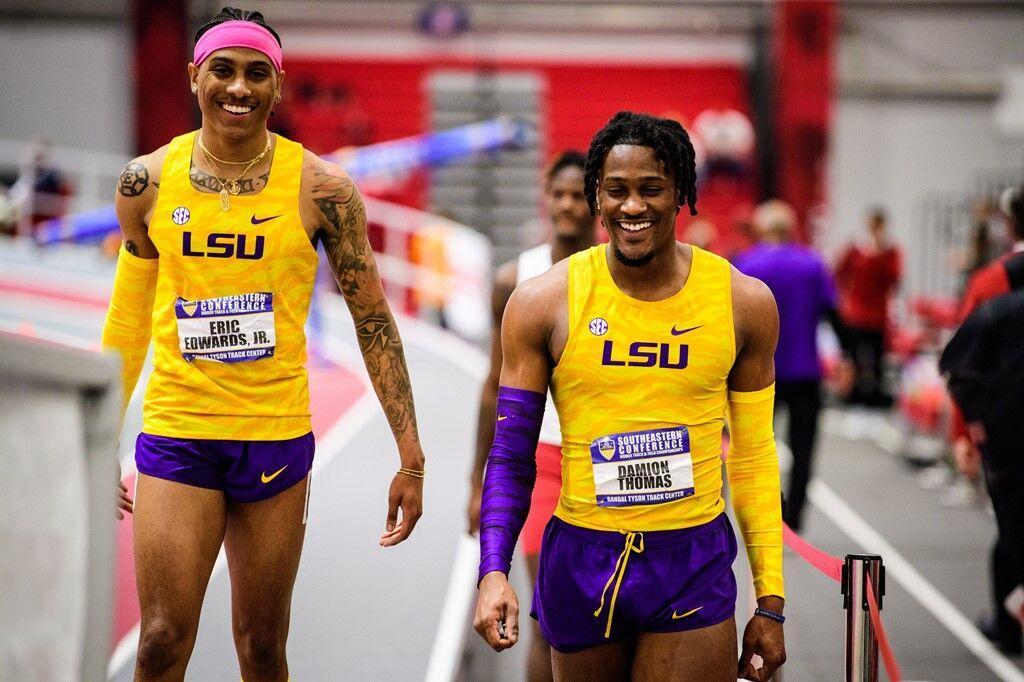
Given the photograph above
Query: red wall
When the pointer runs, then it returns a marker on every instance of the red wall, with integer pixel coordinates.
(387, 99)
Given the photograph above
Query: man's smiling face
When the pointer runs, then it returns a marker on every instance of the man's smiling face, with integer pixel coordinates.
(637, 201)
(237, 88)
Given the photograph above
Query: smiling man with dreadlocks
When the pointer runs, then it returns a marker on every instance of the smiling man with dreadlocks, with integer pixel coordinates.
(217, 267)
(646, 344)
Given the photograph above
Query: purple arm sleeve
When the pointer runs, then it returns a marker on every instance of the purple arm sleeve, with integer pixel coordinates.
(511, 472)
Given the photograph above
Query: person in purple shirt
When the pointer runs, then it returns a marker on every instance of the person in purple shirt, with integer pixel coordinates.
(805, 294)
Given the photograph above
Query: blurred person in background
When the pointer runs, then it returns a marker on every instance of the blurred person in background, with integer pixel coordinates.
(428, 251)
(43, 190)
(8, 213)
(805, 294)
(646, 343)
(701, 233)
(984, 365)
(217, 266)
(868, 274)
(996, 279)
(984, 243)
(572, 229)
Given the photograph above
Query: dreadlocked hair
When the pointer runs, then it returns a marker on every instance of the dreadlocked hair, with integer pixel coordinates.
(232, 14)
(567, 159)
(667, 138)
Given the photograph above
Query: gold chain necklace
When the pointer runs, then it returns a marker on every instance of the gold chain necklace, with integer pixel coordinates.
(231, 187)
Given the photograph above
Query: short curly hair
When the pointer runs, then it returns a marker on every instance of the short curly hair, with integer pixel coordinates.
(232, 14)
(569, 158)
(669, 140)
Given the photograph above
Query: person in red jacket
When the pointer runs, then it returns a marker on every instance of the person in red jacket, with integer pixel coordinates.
(867, 275)
(999, 277)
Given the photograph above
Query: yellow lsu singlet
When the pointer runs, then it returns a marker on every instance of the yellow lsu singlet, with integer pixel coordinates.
(232, 293)
(641, 396)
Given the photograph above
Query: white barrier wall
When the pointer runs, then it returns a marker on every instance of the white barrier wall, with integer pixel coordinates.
(58, 424)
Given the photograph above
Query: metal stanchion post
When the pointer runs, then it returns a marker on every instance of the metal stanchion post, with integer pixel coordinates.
(861, 644)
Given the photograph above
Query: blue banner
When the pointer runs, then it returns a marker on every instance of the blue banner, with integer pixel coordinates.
(430, 150)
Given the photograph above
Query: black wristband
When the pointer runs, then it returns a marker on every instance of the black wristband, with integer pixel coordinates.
(777, 617)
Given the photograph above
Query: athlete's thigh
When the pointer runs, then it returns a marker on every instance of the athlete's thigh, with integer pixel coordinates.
(702, 655)
(604, 663)
(263, 542)
(178, 531)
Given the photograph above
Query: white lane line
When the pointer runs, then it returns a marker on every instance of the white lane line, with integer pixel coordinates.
(449, 640)
(348, 426)
(901, 570)
(446, 654)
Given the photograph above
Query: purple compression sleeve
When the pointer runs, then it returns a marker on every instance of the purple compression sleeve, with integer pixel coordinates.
(511, 472)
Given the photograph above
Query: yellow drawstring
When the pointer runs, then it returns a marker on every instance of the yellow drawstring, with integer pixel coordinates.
(617, 575)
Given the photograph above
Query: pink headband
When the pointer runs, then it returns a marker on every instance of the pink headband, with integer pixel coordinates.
(238, 34)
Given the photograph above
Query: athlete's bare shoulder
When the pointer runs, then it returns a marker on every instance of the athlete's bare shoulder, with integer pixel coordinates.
(530, 327)
(753, 306)
(538, 305)
(756, 320)
(328, 195)
(135, 199)
(505, 278)
(507, 274)
(140, 177)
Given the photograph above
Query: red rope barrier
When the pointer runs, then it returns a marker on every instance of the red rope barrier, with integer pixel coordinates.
(888, 657)
(826, 563)
(833, 568)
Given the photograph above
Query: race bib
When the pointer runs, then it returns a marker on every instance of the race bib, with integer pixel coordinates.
(643, 467)
(236, 328)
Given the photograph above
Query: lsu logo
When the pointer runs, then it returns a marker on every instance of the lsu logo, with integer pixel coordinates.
(606, 446)
(223, 245)
(648, 354)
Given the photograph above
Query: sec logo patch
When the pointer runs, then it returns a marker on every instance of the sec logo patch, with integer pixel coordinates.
(598, 326)
(180, 215)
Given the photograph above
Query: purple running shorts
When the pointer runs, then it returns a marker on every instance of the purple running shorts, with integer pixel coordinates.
(246, 470)
(596, 587)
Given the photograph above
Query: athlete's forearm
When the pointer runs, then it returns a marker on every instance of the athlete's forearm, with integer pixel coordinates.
(382, 351)
(351, 258)
(484, 431)
(511, 473)
(753, 467)
(128, 325)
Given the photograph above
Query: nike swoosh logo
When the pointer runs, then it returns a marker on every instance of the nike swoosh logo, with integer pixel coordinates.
(677, 616)
(256, 221)
(501, 419)
(677, 332)
(271, 477)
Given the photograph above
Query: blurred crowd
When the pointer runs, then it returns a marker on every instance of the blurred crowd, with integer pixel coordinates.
(954, 370)
(40, 191)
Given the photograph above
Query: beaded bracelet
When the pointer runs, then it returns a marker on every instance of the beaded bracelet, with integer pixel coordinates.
(777, 617)
(415, 473)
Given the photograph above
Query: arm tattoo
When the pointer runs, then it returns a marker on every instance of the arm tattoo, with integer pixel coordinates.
(348, 250)
(134, 179)
(130, 247)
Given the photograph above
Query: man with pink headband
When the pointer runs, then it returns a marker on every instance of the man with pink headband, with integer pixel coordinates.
(217, 269)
